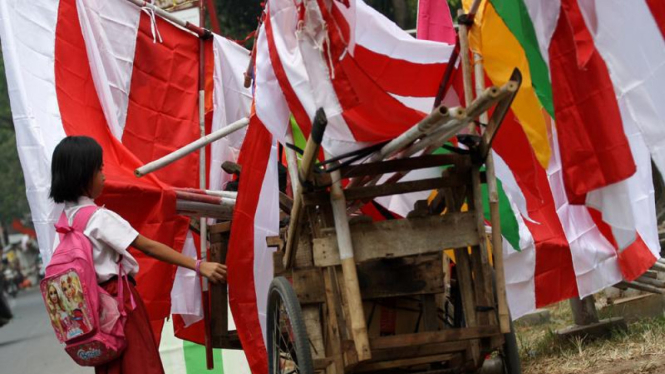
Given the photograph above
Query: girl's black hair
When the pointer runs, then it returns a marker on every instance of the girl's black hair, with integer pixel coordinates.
(75, 161)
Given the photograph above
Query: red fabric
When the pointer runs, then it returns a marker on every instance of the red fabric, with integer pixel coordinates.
(435, 22)
(254, 156)
(163, 112)
(657, 8)
(400, 77)
(142, 352)
(18, 226)
(146, 203)
(554, 273)
(635, 259)
(594, 148)
(196, 332)
(370, 112)
(295, 106)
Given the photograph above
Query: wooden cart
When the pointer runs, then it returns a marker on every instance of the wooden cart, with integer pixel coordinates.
(352, 294)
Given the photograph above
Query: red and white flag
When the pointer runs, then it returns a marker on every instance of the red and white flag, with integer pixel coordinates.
(109, 70)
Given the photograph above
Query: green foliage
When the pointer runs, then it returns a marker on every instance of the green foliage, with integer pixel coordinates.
(13, 201)
(238, 18)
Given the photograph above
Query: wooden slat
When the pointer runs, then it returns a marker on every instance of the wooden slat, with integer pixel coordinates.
(376, 366)
(404, 276)
(362, 193)
(419, 350)
(400, 238)
(312, 317)
(309, 286)
(219, 318)
(230, 341)
(443, 336)
(414, 163)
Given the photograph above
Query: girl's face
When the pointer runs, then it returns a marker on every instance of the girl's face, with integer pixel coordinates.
(97, 183)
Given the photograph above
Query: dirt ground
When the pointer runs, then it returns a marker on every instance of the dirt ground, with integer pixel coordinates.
(640, 349)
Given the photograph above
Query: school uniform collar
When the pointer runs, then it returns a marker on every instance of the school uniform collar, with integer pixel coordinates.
(82, 201)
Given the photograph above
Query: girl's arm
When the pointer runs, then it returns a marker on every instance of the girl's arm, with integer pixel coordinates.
(211, 270)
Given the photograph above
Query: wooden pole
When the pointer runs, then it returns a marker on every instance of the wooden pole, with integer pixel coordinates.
(199, 31)
(202, 185)
(584, 311)
(191, 147)
(304, 175)
(495, 218)
(349, 271)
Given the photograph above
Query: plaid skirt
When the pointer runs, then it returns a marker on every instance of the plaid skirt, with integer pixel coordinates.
(142, 352)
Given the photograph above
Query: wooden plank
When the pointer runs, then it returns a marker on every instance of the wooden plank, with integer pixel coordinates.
(219, 318)
(402, 276)
(405, 164)
(419, 350)
(376, 366)
(285, 203)
(400, 238)
(333, 316)
(312, 317)
(230, 341)
(367, 192)
(480, 257)
(432, 337)
(309, 286)
(219, 227)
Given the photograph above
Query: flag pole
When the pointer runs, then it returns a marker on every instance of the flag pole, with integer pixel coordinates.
(200, 31)
(202, 185)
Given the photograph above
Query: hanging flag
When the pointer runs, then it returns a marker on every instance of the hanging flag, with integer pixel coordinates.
(106, 69)
(552, 57)
(434, 22)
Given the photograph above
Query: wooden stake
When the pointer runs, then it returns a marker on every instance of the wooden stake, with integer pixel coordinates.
(349, 271)
(495, 218)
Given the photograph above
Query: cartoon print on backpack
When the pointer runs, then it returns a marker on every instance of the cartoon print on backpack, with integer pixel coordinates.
(71, 287)
(67, 310)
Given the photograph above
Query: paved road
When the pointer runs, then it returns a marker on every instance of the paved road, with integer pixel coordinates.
(28, 344)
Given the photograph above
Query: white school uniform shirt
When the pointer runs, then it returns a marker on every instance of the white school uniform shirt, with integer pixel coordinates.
(110, 236)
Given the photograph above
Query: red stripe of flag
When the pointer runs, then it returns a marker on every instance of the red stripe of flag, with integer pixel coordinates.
(554, 276)
(594, 148)
(146, 203)
(254, 154)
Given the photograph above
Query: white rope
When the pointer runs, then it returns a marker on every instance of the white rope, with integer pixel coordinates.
(150, 11)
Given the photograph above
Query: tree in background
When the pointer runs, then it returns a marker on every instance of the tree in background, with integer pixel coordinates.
(13, 200)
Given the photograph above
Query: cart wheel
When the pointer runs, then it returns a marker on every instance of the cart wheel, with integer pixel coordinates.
(511, 353)
(288, 344)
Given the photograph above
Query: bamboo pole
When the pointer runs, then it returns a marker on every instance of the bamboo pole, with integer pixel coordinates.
(199, 31)
(495, 218)
(199, 209)
(203, 226)
(203, 198)
(641, 287)
(227, 195)
(349, 271)
(304, 174)
(292, 163)
(191, 147)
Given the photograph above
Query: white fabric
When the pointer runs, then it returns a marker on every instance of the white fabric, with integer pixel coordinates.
(519, 263)
(186, 291)
(110, 236)
(27, 29)
(231, 102)
(544, 16)
(629, 40)
(594, 259)
(378, 34)
(269, 100)
(109, 30)
(266, 223)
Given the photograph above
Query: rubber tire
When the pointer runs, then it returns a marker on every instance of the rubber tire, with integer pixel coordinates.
(511, 352)
(281, 289)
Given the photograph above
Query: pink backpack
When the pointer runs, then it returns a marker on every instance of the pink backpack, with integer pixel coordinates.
(84, 316)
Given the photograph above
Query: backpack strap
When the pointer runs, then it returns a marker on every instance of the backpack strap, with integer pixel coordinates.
(82, 217)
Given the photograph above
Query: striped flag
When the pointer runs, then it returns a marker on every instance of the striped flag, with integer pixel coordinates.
(106, 69)
(570, 78)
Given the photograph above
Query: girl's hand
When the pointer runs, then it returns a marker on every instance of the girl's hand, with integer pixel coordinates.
(214, 271)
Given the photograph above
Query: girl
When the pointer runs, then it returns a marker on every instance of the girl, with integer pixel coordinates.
(78, 179)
